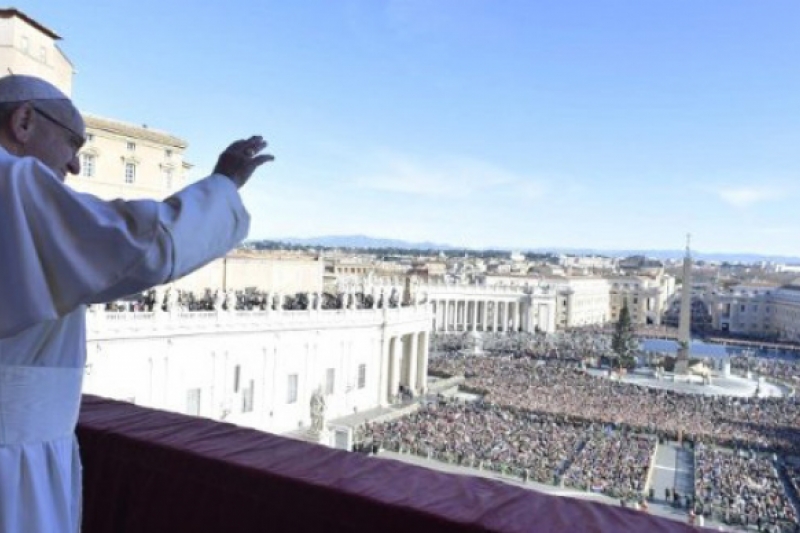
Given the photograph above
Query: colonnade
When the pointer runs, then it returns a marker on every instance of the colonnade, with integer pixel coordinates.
(453, 315)
(404, 361)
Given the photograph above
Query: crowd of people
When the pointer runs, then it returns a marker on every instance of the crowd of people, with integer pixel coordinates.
(529, 446)
(783, 370)
(561, 386)
(542, 416)
(613, 463)
(741, 488)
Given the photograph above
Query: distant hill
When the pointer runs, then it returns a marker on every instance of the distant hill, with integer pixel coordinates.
(365, 242)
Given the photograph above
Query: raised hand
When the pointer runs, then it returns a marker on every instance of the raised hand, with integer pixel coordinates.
(241, 159)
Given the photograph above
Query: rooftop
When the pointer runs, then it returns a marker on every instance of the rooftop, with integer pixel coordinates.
(137, 132)
(13, 12)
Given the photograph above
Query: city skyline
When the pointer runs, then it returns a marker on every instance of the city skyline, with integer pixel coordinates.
(603, 125)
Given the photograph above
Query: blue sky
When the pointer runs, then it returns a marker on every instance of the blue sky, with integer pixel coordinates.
(516, 123)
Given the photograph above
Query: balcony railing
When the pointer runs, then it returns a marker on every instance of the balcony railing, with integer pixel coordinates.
(100, 323)
(153, 471)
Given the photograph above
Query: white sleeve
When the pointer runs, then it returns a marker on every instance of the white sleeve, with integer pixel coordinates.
(60, 249)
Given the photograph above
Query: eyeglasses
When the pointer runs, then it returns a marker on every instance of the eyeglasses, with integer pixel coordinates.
(76, 139)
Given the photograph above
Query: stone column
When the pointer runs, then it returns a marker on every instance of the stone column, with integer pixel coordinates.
(505, 316)
(396, 356)
(495, 315)
(383, 385)
(444, 319)
(412, 361)
(474, 315)
(422, 366)
(485, 321)
(527, 319)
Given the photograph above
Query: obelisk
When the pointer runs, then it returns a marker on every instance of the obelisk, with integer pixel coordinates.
(685, 320)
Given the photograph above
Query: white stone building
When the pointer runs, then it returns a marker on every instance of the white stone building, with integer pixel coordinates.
(743, 310)
(265, 272)
(580, 301)
(258, 368)
(763, 311)
(458, 308)
(784, 314)
(122, 160)
(587, 263)
(28, 47)
(647, 297)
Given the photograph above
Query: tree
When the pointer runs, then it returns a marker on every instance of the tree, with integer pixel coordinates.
(623, 342)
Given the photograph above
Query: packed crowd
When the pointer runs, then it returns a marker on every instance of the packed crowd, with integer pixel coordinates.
(792, 471)
(542, 448)
(784, 370)
(613, 463)
(560, 386)
(573, 345)
(543, 417)
(741, 488)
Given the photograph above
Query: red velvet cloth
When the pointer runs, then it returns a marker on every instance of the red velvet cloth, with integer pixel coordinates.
(152, 471)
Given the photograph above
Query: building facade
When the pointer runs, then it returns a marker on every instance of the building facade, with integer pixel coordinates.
(259, 368)
(646, 297)
(28, 47)
(244, 270)
(743, 310)
(121, 160)
(784, 313)
(580, 301)
(759, 311)
(459, 308)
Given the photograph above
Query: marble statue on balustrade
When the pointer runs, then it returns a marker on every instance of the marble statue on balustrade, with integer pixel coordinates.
(394, 298)
(159, 299)
(229, 304)
(374, 295)
(219, 299)
(317, 413)
(171, 300)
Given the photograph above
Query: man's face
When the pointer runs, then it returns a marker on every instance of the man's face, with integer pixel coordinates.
(59, 134)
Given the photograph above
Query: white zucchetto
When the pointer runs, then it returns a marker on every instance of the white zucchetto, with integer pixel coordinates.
(20, 88)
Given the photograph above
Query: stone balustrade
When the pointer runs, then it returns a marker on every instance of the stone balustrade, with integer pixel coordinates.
(105, 324)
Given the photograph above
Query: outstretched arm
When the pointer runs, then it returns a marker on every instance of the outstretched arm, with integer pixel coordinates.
(70, 248)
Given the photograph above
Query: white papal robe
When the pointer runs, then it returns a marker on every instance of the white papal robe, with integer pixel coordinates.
(59, 251)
